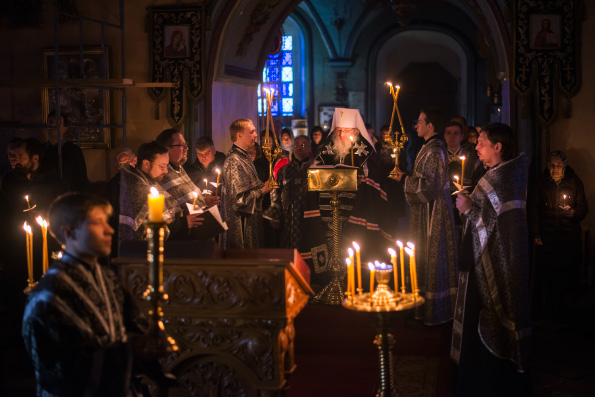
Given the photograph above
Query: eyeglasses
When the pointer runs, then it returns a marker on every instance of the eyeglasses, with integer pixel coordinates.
(303, 145)
(183, 145)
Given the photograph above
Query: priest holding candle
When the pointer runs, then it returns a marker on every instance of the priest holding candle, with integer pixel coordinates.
(431, 222)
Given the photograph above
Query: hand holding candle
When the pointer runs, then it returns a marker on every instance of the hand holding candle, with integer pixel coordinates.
(156, 204)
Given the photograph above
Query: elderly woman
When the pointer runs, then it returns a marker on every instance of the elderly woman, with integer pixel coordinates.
(559, 205)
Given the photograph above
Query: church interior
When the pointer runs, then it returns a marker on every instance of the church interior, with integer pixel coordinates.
(115, 67)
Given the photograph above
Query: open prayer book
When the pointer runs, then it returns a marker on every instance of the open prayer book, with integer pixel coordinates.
(212, 224)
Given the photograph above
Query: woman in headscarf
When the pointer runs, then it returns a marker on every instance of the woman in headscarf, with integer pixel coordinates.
(559, 205)
(317, 137)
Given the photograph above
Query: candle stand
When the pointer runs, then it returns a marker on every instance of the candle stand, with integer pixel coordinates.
(382, 303)
(159, 342)
(271, 154)
(333, 180)
(30, 285)
(397, 144)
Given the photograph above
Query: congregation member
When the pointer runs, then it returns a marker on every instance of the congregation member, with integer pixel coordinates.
(558, 206)
(286, 212)
(74, 167)
(317, 137)
(125, 156)
(81, 328)
(176, 181)
(242, 191)
(492, 327)
(11, 154)
(208, 160)
(135, 185)
(431, 222)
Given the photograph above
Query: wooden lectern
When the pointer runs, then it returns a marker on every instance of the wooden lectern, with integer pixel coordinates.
(231, 316)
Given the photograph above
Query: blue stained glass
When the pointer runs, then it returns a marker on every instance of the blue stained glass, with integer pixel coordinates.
(259, 90)
(273, 74)
(287, 89)
(287, 73)
(275, 56)
(259, 107)
(287, 105)
(287, 59)
(272, 62)
(287, 44)
(275, 108)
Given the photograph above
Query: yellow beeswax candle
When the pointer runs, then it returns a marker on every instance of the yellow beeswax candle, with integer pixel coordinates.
(218, 171)
(358, 262)
(462, 171)
(372, 272)
(156, 203)
(393, 260)
(44, 233)
(400, 244)
(352, 163)
(195, 194)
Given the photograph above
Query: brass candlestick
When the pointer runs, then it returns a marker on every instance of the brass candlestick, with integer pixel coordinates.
(398, 143)
(382, 302)
(271, 155)
(159, 342)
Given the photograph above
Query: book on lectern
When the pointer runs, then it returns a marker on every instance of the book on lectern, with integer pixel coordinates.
(212, 224)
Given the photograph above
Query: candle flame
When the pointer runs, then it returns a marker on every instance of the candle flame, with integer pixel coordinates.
(392, 252)
(42, 222)
(27, 197)
(25, 226)
(370, 266)
(351, 139)
(388, 83)
(462, 157)
(398, 86)
(217, 170)
(356, 246)
(456, 177)
(564, 196)
(409, 251)
(411, 245)
(195, 194)
(350, 251)
(348, 261)
(399, 243)
(154, 191)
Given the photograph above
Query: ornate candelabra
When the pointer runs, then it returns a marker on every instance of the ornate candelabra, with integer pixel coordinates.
(398, 142)
(382, 302)
(159, 342)
(267, 144)
(334, 180)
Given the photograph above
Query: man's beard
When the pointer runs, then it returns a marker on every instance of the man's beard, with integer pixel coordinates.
(21, 170)
(341, 149)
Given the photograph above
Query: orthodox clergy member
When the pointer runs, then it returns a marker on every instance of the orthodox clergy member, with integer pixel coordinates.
(80, 325)
(492, 327)
(242, 191)
(362, 211)
(177, 182)
(135, 185)
(287, 202)
(431, 222)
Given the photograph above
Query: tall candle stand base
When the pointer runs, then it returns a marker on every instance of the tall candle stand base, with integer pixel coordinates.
(382, 303)
(30, 285)
(159, 342)
(334, 292)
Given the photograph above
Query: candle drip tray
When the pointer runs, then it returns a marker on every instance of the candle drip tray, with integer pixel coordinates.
(383, 300)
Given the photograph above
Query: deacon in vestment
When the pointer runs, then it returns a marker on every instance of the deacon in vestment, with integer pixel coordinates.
(492, 327)
(286, 212)
(362, 212)
(80, 325)
(135, 185)
(242, 191)
(431, 222)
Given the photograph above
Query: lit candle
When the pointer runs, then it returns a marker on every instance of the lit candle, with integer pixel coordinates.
(392, 117)
(206, 181)
(360, 287)
(29, 247)
(27, 198)
(564, 200)
(272, 124)
(156, 203)
(371, 267)
(195, 194)
(393, 260)
(350, 281)
(352, 163)
(350, 252)
(400, 244)
(44, 233)
(268, 93)
(413, 268)
(462, 171)
(218, 171)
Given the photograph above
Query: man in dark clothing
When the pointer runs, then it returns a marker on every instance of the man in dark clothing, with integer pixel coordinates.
(74, 168)
(208, 160)
(82, 330)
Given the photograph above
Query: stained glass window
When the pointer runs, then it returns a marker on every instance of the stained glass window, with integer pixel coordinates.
(278, 75)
